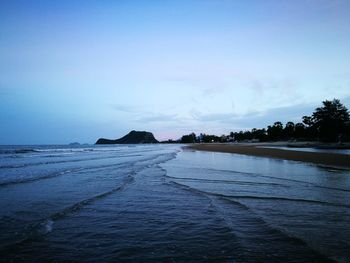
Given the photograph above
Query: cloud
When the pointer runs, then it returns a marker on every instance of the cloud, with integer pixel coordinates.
(284, 114)
(254, 119)
(140, 115)
(212, 117)
(157, 117)
(123, 108)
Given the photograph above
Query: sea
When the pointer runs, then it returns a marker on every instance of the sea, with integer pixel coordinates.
(168, 203)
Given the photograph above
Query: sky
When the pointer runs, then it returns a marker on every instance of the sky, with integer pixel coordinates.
(74, 71)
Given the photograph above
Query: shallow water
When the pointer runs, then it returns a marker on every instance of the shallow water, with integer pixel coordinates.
(310, 149)
(162, 203)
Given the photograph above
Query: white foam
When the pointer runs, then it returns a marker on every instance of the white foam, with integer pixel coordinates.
(46, 227)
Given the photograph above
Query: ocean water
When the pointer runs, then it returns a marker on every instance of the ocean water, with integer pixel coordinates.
(163, 203)
(310, 149)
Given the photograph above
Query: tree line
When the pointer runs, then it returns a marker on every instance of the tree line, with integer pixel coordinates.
(328, 123)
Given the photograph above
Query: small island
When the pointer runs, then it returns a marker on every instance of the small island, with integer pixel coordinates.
(133, 137)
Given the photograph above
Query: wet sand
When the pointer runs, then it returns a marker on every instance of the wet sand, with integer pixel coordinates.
(326, 159)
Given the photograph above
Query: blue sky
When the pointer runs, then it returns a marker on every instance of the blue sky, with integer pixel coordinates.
(79, 70)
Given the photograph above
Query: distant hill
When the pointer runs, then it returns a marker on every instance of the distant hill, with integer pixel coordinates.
(133, 137)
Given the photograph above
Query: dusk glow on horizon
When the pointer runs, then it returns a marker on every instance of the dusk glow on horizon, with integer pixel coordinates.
(80, 70)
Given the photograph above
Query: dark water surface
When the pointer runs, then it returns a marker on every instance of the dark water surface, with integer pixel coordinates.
(309, 149)
(161, 203)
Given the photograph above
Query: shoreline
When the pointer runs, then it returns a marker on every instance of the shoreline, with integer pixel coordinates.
(320, 158)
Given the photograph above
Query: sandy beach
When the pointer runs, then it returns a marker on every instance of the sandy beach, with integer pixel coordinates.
(326, 159)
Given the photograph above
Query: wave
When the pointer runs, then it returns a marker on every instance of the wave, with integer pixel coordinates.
(63, 152)
(205, 193)
(17, 151)
(165, 158)
(306, 183)
(134, 164)
(273, 177)
(261, 197)
(77, 206)
(210, 196)
(60, 173)
(45, 226)
(33, 179)
(134, 154)
(263, 232)
(248, 217)
(226, 181)
(288, 199)
(14, 151)
(64, 161)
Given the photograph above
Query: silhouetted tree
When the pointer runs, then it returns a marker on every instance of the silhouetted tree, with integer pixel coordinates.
(289, 130)
(330, 120)
(346, 135)
(275, 132)
(310, 131)
(299, 130)
(210, 138)
(328, 123)
(190, 138)
(307, 120)
(259, 134)
(238, 136)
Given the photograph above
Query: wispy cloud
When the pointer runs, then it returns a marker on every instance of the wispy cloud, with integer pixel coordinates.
(254, 119)
(157, 117)
(123, 108)
(144, 115)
